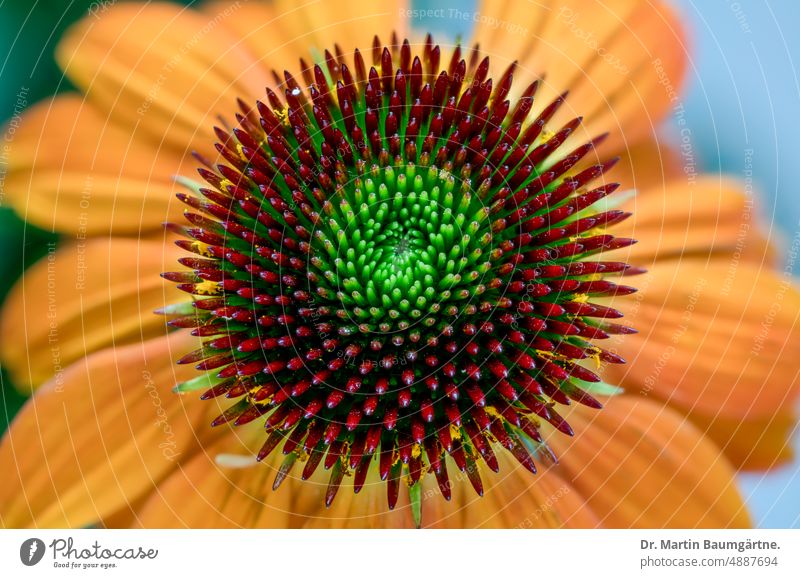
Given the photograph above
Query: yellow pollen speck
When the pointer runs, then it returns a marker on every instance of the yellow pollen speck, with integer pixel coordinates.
(416, 451)
(546, 135)
(410, 482)
(490, 410)
(455, 432)
(207, 288)
(201, 248)
(343, 455)
(283, 115)
(252, 392)
(581, 297)
(594, 354)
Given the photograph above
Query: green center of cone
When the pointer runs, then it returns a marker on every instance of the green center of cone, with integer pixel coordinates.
(400, 246)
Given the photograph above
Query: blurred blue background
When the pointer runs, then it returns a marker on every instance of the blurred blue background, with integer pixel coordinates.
(743, 94)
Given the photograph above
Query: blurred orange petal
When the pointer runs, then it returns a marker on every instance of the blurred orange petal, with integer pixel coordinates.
(162, 71)
(84, 446)
(623, 62)
(82, 298)
(716, 340)
(647, 166)
(680, 219)
(207, 494)
(72, 171)
(755, 443)
(640, 464)
(202, 495)
(279, 33)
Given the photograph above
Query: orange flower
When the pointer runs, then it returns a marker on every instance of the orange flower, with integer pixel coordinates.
(710, 379)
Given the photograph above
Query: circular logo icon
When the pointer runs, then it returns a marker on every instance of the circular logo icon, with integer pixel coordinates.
(31, 552)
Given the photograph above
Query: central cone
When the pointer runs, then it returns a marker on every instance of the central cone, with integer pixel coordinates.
(394, 271)
(400, 245)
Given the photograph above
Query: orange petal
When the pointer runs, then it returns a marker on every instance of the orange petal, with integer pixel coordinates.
(81, 449)
(639, 464)
(622, 62)
(513, 498)
(207, 494)
(124, 517)
(281, 32)
(647, 166)
(71, 170)
(629, 465)
(753, 444)
(703, 216)
(84, 297)
(718, 340)
(201, 494)
(162, 71)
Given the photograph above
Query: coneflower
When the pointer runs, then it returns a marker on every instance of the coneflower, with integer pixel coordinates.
(395, 269)
(431, 264)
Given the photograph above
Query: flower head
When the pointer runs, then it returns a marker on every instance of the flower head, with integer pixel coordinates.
(399, 263)
(414, 267)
